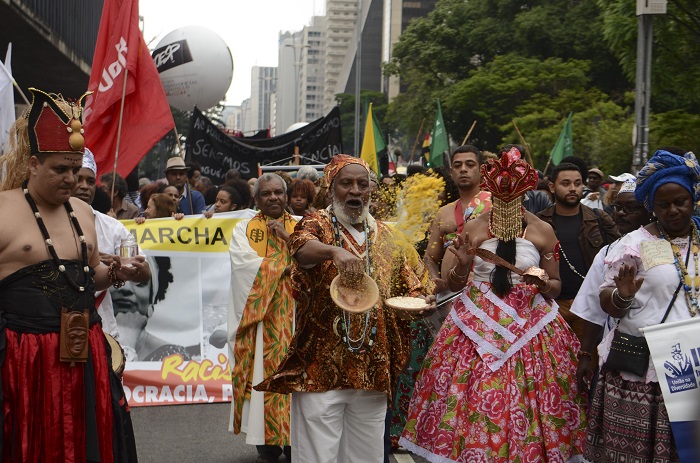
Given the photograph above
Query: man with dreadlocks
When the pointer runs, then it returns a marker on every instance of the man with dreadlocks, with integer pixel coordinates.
(498, 384)
(61, 400)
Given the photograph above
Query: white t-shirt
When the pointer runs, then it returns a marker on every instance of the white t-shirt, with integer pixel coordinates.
(110, 232)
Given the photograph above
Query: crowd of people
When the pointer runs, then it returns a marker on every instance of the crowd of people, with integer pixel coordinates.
(525, 283)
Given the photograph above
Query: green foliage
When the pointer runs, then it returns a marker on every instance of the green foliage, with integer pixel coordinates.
(346, 101)
(675, 51)
(496, 61)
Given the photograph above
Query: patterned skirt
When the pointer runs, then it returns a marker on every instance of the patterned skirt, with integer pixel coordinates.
(628, 423)
(421, 340)
(519, 405)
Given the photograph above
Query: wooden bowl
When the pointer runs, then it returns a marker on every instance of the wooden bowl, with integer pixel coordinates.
(355, 300)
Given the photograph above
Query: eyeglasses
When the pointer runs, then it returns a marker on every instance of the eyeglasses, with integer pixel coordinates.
(628, 209)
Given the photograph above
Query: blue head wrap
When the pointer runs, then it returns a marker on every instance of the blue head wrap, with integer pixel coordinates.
(664, 168)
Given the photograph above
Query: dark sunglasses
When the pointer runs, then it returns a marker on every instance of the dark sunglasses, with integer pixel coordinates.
(629, 209)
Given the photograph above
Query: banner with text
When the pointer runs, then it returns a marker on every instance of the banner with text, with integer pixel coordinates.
(217, 152)
(675, 352)
(173, 327)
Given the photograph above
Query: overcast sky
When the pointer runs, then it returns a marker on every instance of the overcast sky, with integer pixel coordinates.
(250, 29)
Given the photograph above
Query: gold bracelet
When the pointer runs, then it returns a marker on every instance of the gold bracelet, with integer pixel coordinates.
(542, 291)
(456, 279)
(454, 273)
(583, 353)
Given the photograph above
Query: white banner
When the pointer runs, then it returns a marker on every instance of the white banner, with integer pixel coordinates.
(173, 327)
(675, 352)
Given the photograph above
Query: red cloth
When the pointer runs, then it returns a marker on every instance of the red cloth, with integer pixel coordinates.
(147, 117)
(44, 404)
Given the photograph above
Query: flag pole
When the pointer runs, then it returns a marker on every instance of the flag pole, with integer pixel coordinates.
(177, 141)
(527, 145)
(546, 166)
(469, 133)
(14, 83)
(420, 130)
(119, 136)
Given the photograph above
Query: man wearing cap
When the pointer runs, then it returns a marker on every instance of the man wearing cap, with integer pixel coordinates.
(617, 181)
(110, 232)
(342, 368)
(191, 201)
(593, 194)
(61, 399)
(260, 318)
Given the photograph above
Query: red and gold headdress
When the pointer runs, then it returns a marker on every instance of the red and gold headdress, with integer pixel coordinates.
(507, 178)
(55, 125)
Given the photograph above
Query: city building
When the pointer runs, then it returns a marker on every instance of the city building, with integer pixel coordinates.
(340, 30)
(311, 71)
(287, 96)
(397, 15)
(263, 84)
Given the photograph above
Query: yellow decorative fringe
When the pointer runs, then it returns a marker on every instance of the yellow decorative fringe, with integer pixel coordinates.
(506, 218)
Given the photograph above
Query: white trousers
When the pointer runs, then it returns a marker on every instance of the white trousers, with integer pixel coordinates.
(345, 426)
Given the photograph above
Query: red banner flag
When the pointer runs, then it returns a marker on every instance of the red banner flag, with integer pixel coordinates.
(147, 117)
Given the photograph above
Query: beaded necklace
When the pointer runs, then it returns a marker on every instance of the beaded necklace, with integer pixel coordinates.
(47, 239)
(691, 286)
(571, 266)
(356, 345)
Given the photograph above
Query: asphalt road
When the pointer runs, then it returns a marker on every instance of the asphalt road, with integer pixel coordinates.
(197, 433)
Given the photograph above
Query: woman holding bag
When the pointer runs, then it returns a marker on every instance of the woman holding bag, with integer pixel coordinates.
(651, 277)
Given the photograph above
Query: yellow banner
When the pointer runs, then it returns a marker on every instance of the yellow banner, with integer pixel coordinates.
(191, 234)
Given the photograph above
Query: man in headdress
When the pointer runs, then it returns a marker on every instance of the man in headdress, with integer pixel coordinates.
(260, 318)
(450, 220)
(110, 233)
(341, 368)
(62, 401)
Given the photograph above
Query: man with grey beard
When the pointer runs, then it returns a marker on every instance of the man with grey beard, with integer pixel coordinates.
(341, 368)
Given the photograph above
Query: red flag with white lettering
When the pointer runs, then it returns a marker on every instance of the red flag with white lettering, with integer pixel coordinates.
(147, 117)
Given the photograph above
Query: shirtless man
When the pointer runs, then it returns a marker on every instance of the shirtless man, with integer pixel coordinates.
(466, 161)
(57, 373)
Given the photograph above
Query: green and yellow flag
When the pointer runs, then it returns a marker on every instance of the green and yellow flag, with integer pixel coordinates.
(372, 143)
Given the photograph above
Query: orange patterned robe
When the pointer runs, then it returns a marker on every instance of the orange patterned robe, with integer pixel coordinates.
(261, 310)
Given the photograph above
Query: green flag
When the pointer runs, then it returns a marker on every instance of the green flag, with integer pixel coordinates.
(440, 143)
(564, 146)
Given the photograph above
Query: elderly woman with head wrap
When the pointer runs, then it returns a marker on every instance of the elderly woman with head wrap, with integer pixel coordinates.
(498, 384)
(649, 279)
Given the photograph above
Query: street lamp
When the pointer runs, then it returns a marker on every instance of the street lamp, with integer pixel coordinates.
(645, 11)
(297, 63)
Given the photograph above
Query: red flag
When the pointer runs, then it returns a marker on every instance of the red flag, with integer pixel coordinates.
(147, 117)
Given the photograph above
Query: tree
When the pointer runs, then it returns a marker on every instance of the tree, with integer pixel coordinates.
(675, 56)
(346, 101)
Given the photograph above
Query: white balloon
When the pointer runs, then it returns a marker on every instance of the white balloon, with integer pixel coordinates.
(195, 67)
(295, 126)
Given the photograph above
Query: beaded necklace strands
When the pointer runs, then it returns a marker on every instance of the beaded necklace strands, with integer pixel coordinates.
(356, 345)
(47, 239)
(571, 266)
(691, 286)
